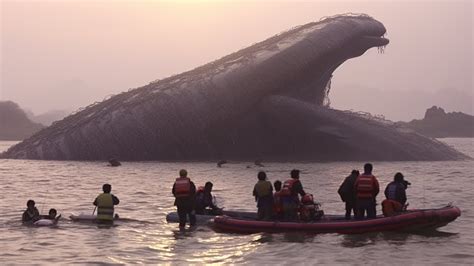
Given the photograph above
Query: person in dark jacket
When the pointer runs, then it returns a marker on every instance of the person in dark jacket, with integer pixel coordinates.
(395, 194)
(347, 193)
(204, 201)
(263, 192)
(396, 190)
(31, 214)
(184, 192)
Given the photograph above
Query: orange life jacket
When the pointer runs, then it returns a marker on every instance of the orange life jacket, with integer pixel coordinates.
(182, 187)
(391, 207)
(365, 186)
(287, 186)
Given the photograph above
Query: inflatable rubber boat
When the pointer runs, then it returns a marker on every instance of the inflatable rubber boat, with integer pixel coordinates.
(413, 220)
(172, 217)
(46, 222)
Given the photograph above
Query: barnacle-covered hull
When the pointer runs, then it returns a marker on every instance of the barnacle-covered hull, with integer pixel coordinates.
(266, 101)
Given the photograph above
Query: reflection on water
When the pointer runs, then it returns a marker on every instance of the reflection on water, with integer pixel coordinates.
(143, 236)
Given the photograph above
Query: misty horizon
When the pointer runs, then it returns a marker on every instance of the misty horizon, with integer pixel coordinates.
(58, 62)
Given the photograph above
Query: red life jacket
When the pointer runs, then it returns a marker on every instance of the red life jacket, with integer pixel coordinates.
(182, 187)
(277, 206)
(287, 186)
(365, 186)
(200, 190)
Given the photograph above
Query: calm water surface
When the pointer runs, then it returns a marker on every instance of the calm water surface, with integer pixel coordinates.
(144, 191)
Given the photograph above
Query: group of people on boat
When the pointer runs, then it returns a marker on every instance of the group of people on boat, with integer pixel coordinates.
(104, 203)
(359, 192)
(288, 201)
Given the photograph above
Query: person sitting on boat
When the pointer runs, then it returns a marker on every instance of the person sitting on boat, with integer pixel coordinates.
(346, 191)
(184, 192)
(289, 196)
(105, 203)
(277, 205)
(366, 188)
(31, 214)
(395, 194)
(205, 201)
(263, 192)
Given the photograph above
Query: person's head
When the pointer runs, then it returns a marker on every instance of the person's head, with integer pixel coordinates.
(208, 187)
(52, 213)
(277, 185)
(183, 173)
(355, 173)
(262, 175)
(368, 168)
(295, 174)
(106, 188)
(398, 177)
(30, 204)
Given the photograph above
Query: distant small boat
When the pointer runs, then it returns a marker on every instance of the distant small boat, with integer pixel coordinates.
(172, 217)
(413, 220)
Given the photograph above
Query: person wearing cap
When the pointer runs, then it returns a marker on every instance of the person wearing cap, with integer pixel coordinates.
(184, 192)
(395, 194)
(105, 203)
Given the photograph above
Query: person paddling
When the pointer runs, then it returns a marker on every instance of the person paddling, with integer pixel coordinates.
(105, 203)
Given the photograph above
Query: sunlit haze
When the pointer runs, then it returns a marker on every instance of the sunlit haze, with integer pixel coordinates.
(69, 54)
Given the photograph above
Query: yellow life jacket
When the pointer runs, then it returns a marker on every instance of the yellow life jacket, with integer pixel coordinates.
(105, 207)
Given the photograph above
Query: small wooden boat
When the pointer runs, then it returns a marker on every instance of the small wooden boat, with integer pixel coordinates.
(413, 220)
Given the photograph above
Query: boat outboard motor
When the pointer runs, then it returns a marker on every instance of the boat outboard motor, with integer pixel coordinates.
(309, 210)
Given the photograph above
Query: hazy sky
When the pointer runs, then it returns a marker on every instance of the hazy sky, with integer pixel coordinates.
(68, 54)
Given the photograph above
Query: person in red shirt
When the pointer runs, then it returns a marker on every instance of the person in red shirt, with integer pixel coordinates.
(366, 188)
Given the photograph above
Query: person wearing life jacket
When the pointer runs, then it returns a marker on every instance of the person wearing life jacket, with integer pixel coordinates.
(289, 196)
(263, 193)
(31, 214)
(346, 191)
(204, 201)
(105, 203)
(184, 192)
(277, 205)
(395, 194)
(366, 188)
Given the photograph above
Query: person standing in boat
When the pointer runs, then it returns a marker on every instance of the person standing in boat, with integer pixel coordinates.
(366, 188)
(346, 191)
(289, 196)
(105, 203)
(31, 214)
(395, 194)
(277, 205)
(205, 200)
(184, 192)
(263, 193)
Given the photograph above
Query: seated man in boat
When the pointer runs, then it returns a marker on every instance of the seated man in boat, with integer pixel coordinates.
(263, 193)
(395, 194)
(366, 188)
(277, 205)
(346, 191)
(31, 214)
(105, 203)
(289, 196)
(205, 201)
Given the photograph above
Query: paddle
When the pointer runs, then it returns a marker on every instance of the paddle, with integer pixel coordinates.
(94, 210)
